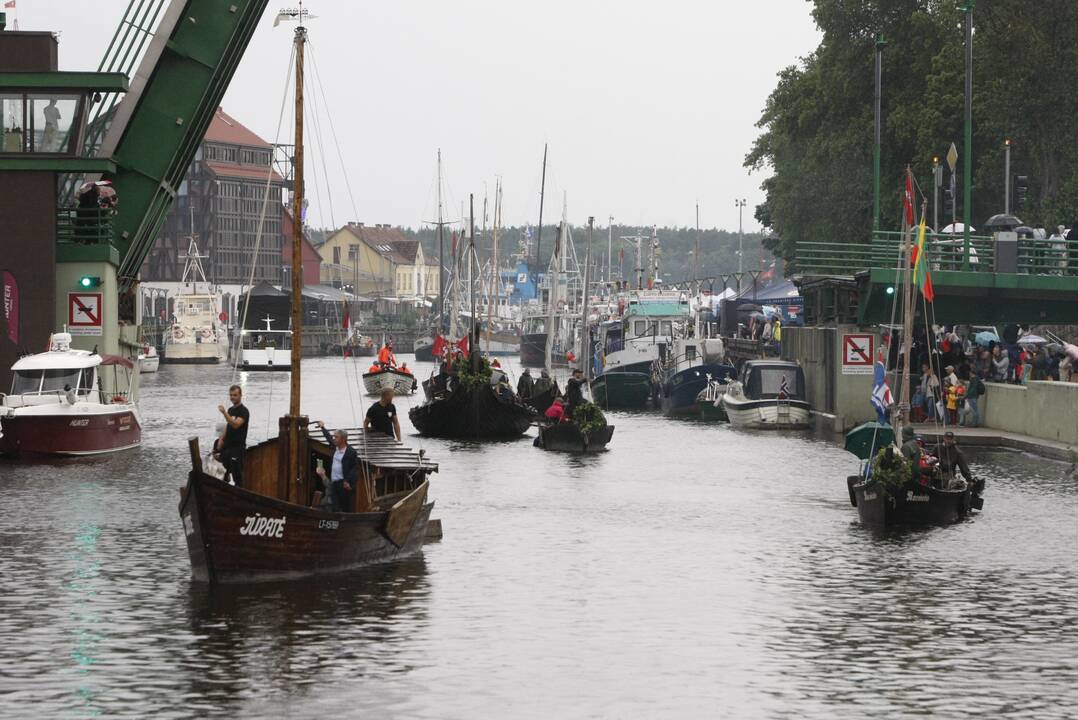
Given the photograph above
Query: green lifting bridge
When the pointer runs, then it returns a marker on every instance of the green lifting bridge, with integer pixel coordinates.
(189, 52)
(988, 280)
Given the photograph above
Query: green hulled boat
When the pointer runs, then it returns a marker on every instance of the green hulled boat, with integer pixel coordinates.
(622, 390)
(710, 402)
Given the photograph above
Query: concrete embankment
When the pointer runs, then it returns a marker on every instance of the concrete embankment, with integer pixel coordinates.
(1041, 417)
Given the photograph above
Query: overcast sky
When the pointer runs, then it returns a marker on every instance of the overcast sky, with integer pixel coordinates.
(648, 107)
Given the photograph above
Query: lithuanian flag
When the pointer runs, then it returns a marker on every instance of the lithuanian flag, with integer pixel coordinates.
(921, 276)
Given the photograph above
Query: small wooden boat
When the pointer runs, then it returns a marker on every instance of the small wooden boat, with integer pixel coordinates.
(567, 437)
(880, 505)
(477, 413)
(400, 382)
(272, 529)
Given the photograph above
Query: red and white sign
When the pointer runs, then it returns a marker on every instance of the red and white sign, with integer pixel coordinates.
(84, 313)
(857, 354)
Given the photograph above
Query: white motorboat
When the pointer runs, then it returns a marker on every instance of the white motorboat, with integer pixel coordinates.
(768, 394)
(60, 404)
(266, 349)
(148, 360)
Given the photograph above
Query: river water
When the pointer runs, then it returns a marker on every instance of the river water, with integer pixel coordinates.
(691, 571)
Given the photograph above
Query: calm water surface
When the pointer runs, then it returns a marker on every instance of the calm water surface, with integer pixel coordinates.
(692, 571)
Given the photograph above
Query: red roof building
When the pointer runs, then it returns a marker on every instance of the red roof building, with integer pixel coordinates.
(312, 261)
(232, 179)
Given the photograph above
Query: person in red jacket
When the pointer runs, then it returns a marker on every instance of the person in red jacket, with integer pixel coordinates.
(556, 411)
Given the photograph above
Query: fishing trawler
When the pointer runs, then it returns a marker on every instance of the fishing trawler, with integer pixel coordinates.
(197, 333)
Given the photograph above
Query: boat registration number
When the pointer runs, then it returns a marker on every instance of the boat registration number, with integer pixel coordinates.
(328, 524)
(910, 497)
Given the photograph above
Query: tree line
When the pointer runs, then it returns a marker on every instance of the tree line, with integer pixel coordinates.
(817, 125)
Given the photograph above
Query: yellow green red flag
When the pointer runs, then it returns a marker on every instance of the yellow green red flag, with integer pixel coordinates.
(921, 275)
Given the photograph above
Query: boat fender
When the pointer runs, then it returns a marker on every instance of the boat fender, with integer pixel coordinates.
(206, 333)
(976, 502)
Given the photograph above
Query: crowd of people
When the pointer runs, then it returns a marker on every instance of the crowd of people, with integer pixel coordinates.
(955, 362)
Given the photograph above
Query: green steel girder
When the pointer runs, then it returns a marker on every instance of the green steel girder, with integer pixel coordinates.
(977, 297)
(171, 115)
(61, 81)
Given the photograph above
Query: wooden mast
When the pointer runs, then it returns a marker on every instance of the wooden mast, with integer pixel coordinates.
(585, 329)
(297, 272)
(495, 280)
(907, 325)
(441, 254)
(473, 259)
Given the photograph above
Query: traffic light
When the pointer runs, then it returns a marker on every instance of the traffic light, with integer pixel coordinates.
(949, 209)
(1021, 191)
(89, 281)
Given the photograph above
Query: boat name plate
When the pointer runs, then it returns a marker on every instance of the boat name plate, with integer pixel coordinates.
(259, 526)
(328, 524)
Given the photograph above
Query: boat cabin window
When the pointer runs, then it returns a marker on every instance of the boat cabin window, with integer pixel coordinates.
(640, 328)
(45, 381)
(86, 381)
(26, 381)
(56, 379)
(768, 382)
(667, 328)
(690, 352)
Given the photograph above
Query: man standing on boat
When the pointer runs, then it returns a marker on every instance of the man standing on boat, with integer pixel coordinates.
(952, 462)
(524, 385)
(574, 393)
(234, 442)
(343, 471)
(382, 416)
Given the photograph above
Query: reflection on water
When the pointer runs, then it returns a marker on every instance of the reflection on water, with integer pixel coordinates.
(691, 570)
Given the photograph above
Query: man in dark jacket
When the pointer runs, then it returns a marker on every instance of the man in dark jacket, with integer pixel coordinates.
(574, 391)
(524, 385)
(343, 470)
(952, 461)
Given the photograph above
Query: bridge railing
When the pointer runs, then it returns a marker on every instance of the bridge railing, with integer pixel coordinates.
(1035, 256)
(84, 226)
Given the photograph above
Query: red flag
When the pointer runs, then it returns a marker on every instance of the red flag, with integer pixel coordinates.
(439, 346)
(10, 4)
(347, 324)
(462, 345)
(907, 201)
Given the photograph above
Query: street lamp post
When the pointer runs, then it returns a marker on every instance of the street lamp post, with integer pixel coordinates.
(740, 205)
(967, 174)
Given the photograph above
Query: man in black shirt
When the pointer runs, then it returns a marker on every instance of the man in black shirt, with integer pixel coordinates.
(382, 416)
(574, 393)
(234, 441)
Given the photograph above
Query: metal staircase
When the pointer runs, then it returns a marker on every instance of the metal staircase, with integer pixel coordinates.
(189, 51)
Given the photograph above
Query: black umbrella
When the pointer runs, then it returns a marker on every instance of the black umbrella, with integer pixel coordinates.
(1024, 231)
(1002, 222)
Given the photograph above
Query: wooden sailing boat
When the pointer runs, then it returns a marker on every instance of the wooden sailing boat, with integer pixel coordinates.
(466, 403)
(273, 527)
(569, 436)
(881, 504)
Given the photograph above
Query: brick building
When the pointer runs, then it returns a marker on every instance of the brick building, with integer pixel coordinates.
(225, 187)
